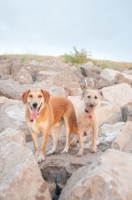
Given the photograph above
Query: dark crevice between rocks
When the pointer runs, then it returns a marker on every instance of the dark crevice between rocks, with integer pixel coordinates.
(50, 173)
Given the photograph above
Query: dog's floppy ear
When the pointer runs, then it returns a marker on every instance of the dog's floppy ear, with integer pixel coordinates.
(24, 96)
(100, 93)
(46, 96)
(83, 93)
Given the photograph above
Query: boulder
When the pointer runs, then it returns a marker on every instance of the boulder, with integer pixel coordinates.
(108, 113)
(89, 68)
(8, 77)
(110, 74)
(5, 67)
(119, 94)
(42, 75)
(12, 115)
(16, 66)
(12, 89)
(68, 80)
(20, 174)
(123, 140)
(128, 71)
(126, 111)
(120, 78)
(107, 134)
(108, 177)
(13, 135)
(94, 81)
(24, 77)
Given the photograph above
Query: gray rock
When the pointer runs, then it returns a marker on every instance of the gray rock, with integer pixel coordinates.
(12, 89)
(89, 68)
(110, 74)
(120, 78)
(68, 80)
(5, 67)
(126, 111)
(13, 135)
(119, 94)
(103, 179)
(24, 77)
(20, 177)
(123, 140)
(94, 81)
(42, 75)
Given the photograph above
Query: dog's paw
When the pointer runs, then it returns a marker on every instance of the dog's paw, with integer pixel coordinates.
(93, 151)
(64, 151)
(73, 143)
(50, 152)
(40, 157)
(79, 154)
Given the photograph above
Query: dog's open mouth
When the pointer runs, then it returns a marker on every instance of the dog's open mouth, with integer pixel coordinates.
(35, 112)
(91, 108)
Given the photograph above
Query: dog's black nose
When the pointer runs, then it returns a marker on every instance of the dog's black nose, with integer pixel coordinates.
(35, 105)
(91, 105)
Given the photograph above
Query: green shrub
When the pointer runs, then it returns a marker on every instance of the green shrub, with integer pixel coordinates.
(77, 56)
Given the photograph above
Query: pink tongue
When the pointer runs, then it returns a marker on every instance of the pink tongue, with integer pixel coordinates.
(91, 107)
(34, 113)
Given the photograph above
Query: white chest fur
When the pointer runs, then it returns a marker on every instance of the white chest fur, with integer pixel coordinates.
(33, 127)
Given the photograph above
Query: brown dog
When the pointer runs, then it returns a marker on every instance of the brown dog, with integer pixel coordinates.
(45, 113)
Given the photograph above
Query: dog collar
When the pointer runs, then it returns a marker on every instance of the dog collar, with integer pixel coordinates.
(89, 116)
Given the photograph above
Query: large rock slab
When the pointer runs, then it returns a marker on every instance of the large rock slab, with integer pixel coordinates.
(119, 94)
(110, 74)
(12, 89)
(103, 179)
(107, 134)
(13, 135)
(12, 115)
(20, 177)
(123, 140)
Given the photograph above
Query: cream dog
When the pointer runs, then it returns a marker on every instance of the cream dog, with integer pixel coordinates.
(45, 113)
(87, 119)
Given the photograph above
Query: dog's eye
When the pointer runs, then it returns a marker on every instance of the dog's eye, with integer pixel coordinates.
(89, 97)
(40, 96)
(30, 96)
(96, 97)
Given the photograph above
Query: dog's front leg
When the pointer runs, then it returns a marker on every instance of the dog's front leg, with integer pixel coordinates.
(95, 135)
(80, 137)
(44, 144)
(35, 141)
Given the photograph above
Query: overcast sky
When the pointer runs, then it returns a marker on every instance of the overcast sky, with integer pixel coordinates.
(53, 27)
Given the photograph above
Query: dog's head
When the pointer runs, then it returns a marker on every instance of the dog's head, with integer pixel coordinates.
(91, 99)
(35, 100)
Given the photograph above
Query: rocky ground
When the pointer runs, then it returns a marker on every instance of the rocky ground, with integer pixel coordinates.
(106, 174)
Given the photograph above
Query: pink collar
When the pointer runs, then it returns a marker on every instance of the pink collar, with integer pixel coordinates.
(89, 116)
